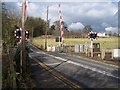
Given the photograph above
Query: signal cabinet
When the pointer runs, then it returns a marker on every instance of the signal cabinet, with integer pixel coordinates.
(58, 39)
(96, 47)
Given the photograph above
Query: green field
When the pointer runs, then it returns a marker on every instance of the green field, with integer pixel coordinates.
(108, 43)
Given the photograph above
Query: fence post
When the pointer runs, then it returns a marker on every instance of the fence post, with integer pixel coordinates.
(103, 54)
(112, 54)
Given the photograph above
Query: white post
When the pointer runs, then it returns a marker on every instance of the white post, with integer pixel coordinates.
(103, 54)
(103, 51)
(86, 48)
(91, 48)
(112, 54)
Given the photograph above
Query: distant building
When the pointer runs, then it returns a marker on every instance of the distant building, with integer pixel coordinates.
(102, 35)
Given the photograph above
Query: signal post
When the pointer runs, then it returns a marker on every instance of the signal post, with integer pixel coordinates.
(92, 36)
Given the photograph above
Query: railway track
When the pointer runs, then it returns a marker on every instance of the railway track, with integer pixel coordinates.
(58, 76)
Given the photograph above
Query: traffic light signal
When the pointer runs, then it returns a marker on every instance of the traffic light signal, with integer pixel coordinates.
(26, 34)
(18, 34)
(58, 39)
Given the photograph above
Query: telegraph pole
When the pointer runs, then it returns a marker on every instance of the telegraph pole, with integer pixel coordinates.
(46, 29)
(23, 53)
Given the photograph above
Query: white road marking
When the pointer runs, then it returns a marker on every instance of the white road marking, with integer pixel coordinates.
(53, 64)
(30, 56)
(92, 60)
(32, 50)
(85, 66)
(57, 57)
(38, 52)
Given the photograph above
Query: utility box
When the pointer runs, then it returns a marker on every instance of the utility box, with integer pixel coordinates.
(58, 39)
(96, 47)
(116, 53)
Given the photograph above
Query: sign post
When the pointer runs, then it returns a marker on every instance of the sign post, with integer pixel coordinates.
(92, 36)
(59, 41)
(91, 48)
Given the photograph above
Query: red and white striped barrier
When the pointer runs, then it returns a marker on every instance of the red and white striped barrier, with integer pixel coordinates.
(61, 25)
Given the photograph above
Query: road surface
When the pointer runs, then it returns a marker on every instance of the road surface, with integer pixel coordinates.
(90, 73)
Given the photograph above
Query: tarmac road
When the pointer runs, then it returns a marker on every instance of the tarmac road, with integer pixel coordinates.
(82, 70)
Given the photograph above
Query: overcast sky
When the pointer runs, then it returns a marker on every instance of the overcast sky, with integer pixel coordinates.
(101, 15)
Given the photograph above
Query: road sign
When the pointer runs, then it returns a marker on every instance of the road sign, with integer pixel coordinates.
(92, 35)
